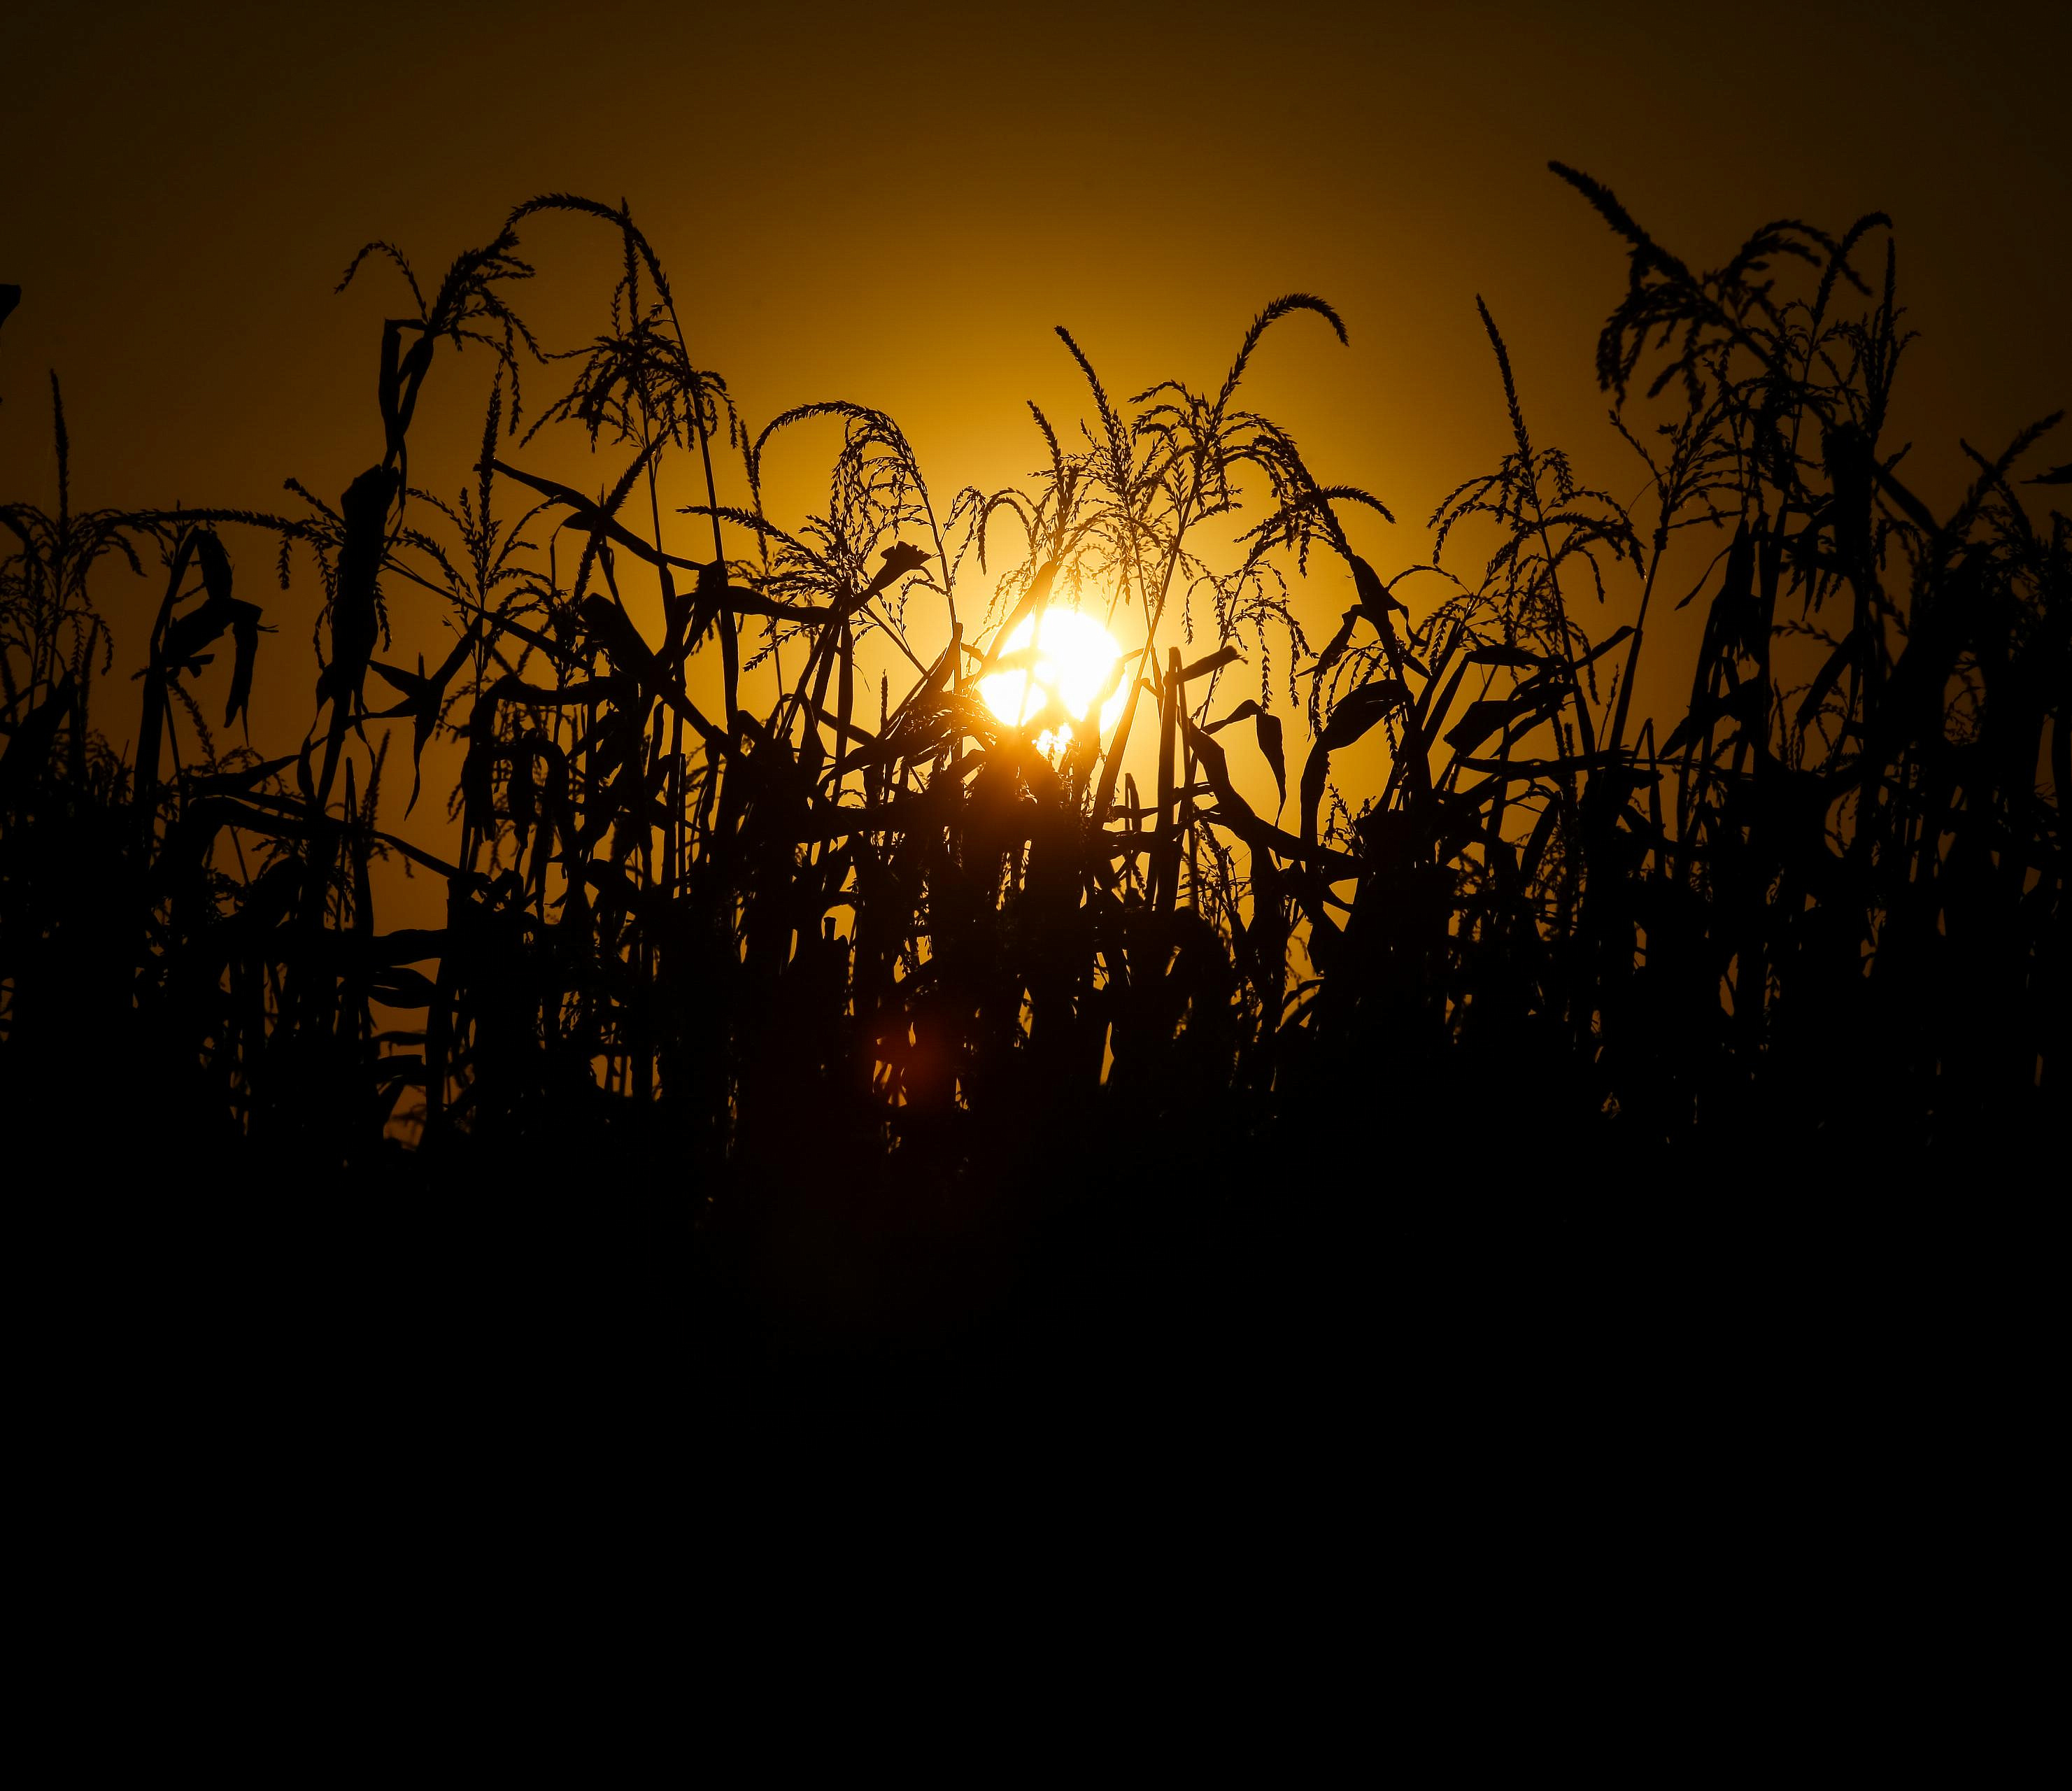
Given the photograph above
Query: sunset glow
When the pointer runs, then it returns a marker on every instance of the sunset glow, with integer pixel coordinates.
(1063, 653)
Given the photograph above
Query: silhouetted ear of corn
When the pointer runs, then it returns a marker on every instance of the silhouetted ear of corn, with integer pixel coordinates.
(889, 996)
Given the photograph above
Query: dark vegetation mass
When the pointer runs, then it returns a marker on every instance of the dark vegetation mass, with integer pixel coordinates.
(826, 982)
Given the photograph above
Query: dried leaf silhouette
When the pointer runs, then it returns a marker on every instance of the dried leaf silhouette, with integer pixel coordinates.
(1267, 727)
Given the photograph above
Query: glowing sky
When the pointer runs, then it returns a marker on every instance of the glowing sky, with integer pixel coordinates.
(895, 204)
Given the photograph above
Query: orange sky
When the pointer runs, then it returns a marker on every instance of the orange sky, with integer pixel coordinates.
(895, 205)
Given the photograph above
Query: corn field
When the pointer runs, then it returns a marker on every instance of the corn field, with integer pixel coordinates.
(871, 990)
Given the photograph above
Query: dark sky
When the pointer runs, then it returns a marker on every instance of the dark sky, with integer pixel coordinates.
(895, 204)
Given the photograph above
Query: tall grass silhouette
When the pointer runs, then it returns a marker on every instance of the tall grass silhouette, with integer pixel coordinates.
(836, 965)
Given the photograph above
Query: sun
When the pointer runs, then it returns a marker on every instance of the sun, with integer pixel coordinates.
(1060, 652)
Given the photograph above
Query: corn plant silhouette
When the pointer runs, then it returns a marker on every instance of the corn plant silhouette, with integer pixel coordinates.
(832, 970)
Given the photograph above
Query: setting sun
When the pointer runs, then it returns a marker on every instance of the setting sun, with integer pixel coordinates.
(1060, 653)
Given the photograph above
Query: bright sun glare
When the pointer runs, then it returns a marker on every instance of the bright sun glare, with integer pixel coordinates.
(1061, 653)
